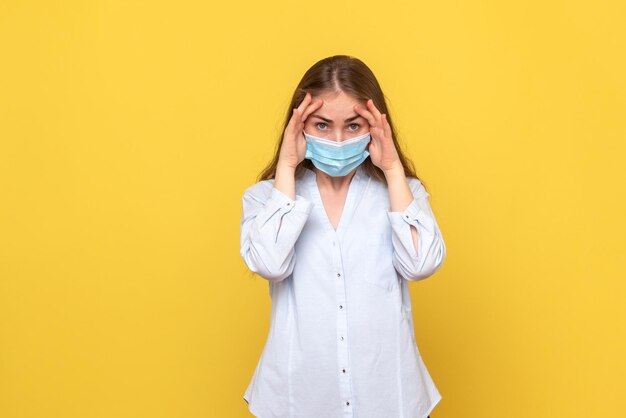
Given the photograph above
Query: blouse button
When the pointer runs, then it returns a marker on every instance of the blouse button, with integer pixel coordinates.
(347, 402)
(338, 274)
(340, 306)
(288, 203)
(341, 338)
(406, 216)
(344, 370)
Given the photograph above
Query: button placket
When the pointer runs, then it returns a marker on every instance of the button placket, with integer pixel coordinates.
(342, 326)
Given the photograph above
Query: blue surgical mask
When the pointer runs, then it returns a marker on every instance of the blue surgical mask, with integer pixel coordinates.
(337, 159)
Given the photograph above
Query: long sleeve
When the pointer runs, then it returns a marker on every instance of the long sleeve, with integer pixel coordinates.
(431, 249)
(270, 225)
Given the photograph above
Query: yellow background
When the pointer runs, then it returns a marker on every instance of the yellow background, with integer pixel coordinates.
(129, 130)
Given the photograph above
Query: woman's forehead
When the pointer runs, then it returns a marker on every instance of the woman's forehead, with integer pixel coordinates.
(337, 104)
(335, 96)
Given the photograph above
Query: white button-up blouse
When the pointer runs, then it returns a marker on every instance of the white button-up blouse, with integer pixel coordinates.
(341, 341)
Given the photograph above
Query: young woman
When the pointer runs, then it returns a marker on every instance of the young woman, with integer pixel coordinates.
(338, 224)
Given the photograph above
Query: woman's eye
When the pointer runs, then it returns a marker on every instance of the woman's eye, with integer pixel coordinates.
(354, 126)
(321, 128)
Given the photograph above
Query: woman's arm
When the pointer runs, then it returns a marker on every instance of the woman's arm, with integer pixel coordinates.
(271, 223)
(285, 180)
(400, 194)
(273, 215)
(419, 249)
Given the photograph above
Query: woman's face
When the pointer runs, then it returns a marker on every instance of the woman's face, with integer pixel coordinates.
(336, 119)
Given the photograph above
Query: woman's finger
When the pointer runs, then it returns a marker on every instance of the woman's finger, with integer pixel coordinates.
(386, 126)
(295, 124)
(304, 104)
(312, 108)
(366, 114)
(295, 119)
(376, 133)
(372, 108)
(292, 120)
(298, 123)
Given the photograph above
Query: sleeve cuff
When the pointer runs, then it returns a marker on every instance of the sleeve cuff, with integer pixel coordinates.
(410, 215)
(286, 204)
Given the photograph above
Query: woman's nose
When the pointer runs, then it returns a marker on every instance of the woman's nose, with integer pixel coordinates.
(338, 137)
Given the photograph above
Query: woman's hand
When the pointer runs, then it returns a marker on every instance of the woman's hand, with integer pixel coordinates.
(293, 147)
(382, 150)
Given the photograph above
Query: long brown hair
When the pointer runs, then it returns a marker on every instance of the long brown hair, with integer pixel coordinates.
(353, 77)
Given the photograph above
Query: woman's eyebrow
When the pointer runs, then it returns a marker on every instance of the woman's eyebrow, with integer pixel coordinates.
(350, 119)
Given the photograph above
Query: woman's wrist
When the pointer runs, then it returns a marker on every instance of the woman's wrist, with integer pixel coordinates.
(396, 171)
(400, 195)
(282, 167)
(284, 180)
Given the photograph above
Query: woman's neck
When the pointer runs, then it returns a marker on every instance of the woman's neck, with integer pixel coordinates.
(335, 183)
